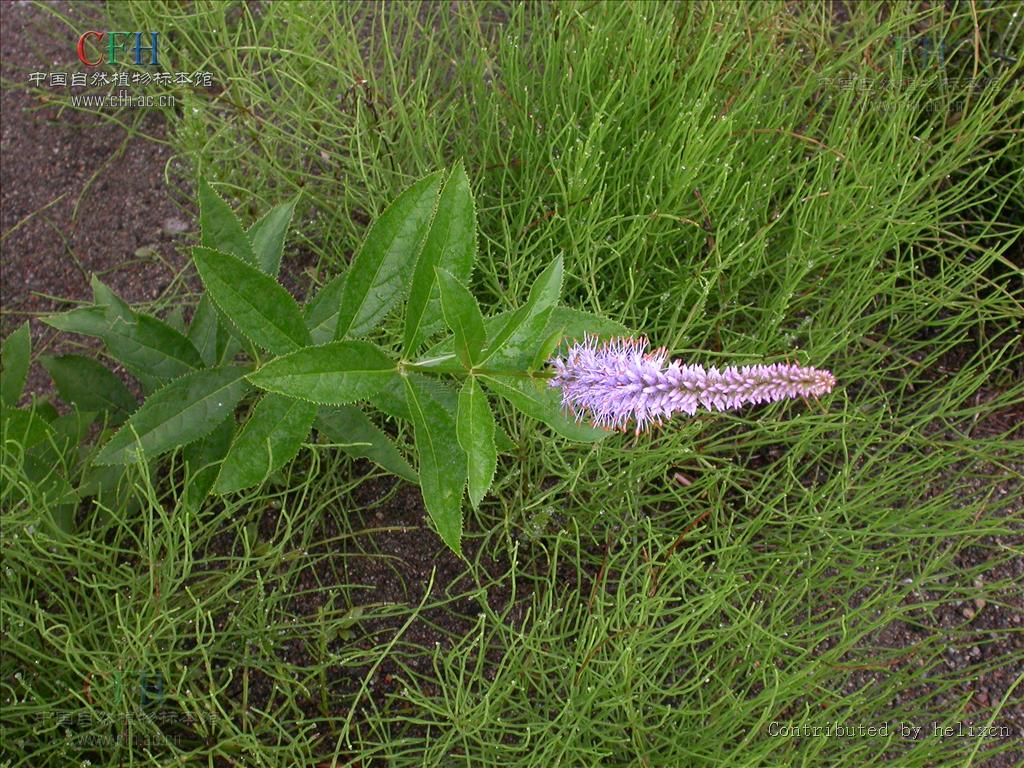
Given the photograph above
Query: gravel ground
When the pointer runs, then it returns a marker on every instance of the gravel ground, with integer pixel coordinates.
(54, 161)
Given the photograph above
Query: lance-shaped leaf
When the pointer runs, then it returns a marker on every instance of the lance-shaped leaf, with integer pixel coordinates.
(88, 384)
(185, 410)
(14, 360)
(337, 373)
(321, 313)
(256, 303)
(176, 319)
(150, 348)
(576, 324)
(267, 236)
(353, 431)
(442, 460)
(24, 427)
(546, 348)
(463, 316)
(573, 324)
(51, 492)
(450, 245)
(111, 485)
(269, 440)
(380, 272)
(391, 400)
(46, 409)
(210, 336)
(203, 458)
(475, 427)
(88, 321)
(220, 228)
(525, 326)
(70, 430)
(540, 402)
(104, 296)
(566, 325)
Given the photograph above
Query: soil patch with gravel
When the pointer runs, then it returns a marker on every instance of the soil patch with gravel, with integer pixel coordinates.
(81, 197)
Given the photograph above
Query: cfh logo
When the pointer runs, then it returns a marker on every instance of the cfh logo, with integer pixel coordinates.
(118, 43)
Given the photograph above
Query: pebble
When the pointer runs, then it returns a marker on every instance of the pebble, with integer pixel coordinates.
(174, 226)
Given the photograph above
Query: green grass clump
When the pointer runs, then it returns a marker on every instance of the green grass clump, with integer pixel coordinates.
(711, 182)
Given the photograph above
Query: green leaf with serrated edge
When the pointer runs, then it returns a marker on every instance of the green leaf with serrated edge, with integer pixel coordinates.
(26, 428)
(119, 315)
(519, 350)
(547, 348)
(203, 458)
(502, 442)
(206, 332)
(450, 245)
(337, 373)
(100, 481)
(575, 324)
(62, 517)
(475, 427)
(391, 399)
(522, 323)
(221, 229)
(202, 330)
(52, 492)
(88, 384)
(218, 338)
(69, 431)
(88, 321)
(113, 488)
(256, 303)
(14, 360)
(103, 296)
(345, 424)
(151, 347)
(571, 325)
(176, 319)
(442, 461)
(45, 409)
(267, 441)
(184, 410)
(321, 313)
(538, 401)
(463, 316)
(267, 237)
(380, 272)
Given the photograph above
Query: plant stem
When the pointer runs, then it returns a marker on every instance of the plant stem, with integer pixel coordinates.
(461, 372)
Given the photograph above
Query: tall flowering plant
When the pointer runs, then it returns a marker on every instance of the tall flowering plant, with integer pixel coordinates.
(237, 392)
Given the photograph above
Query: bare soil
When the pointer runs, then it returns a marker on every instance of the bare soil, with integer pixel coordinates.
(78, 196)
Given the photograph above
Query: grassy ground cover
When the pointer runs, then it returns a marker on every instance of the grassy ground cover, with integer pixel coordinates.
(738, 182)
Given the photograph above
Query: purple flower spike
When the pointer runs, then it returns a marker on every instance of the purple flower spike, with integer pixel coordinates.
(619, 381)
